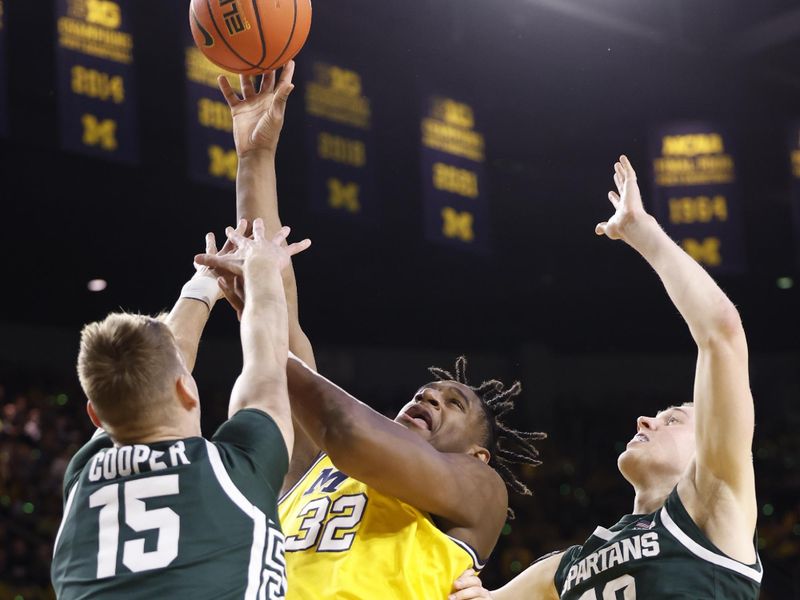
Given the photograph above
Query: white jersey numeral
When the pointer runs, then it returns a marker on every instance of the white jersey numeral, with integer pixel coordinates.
(339, 531)
(138, 518)
(624, 583)
(313, 515)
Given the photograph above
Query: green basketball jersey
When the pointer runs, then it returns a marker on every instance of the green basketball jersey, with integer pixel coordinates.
(654, 557)
(187, 518)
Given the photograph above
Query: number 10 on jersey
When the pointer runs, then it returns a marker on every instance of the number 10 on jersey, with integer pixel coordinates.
(623, 583)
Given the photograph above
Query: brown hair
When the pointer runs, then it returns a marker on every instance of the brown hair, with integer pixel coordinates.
(126, 365)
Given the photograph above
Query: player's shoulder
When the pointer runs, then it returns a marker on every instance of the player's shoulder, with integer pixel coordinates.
(250, 430)
(250, 445)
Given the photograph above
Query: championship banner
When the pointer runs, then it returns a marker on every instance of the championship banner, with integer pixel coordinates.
(794, 154)
(696, 198)
(3, 74)
(454, 191)
(339, 141)
(209, 128)
(96, 82)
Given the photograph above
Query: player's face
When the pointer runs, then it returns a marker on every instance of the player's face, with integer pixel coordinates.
(663, 445)
(447, 414)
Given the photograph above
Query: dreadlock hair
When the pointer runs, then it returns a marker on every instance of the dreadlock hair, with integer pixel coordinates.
(496, 401)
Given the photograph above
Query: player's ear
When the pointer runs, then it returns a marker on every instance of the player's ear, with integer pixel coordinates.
(93, 415)
(481, 453)
(187, 391)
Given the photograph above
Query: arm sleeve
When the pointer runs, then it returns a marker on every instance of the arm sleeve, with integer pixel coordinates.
(253, 445)
(99, 441)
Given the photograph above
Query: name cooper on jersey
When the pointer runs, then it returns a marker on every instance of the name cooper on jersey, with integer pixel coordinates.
(127, 460)
(633, 548)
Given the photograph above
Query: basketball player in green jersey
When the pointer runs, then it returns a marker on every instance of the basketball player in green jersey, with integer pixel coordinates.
(691, 532)
(153, 510)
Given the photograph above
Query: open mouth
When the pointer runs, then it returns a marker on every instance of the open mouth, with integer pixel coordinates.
(640, 437)
(420, 416)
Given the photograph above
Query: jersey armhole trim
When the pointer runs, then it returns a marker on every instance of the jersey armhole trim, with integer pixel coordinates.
(604, 534)
(477, 563)
(67, 507)
(255, 566)
(319, 457)
(707, 555)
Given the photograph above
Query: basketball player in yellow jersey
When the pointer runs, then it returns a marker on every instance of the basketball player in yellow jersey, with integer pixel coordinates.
(375, 509)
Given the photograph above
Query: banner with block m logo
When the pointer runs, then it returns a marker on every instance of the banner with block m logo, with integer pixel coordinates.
(453, 171)
(96, 79)
(696, 198)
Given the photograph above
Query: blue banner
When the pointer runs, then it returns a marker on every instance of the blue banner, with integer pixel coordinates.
(696, 197)
(96, 80)
(3, 74)
(456, 203)
(339, 141)
(212, 153)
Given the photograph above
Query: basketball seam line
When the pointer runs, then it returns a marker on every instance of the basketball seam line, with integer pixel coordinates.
(289, 40)
(224, 41)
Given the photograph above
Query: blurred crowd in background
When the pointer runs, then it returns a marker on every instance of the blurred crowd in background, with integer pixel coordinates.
(576, 488)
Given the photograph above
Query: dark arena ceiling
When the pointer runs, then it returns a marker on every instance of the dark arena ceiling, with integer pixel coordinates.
(560, 89)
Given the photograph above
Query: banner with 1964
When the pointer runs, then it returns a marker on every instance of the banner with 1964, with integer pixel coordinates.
(696, 197)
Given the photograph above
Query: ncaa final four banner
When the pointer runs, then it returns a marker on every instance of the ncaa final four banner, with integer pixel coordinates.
(453, 159)
(696, 198)
(96, 82)
(209, 128)
(339, 140)
(3, 74)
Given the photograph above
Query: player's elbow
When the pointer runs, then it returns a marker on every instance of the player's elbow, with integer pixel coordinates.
(354, 443)
(341, 430)
(724, 326)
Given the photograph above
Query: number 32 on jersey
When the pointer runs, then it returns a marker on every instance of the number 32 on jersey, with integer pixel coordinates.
(328, 526)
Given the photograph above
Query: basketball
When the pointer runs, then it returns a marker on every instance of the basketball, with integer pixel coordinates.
(250, 36)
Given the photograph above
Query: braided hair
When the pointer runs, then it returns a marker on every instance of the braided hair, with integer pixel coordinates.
(496, 401)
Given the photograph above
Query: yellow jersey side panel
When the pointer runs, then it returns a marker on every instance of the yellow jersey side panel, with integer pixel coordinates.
(345, 540)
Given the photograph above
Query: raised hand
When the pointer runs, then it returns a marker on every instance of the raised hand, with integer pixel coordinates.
(211, 250)
(628, 208)
(250, 253)
(258, 115)
(258, 248)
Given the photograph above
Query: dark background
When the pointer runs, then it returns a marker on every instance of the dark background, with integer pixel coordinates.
(560, 88)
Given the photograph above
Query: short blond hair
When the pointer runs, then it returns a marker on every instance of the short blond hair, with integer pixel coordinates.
(127, 366)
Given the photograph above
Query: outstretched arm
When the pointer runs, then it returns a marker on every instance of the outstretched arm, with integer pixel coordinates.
(257, 123)
(264, 327)
(537, 581)
(724, 414)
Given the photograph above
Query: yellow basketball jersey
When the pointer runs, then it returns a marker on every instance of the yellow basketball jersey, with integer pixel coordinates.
(347, 541)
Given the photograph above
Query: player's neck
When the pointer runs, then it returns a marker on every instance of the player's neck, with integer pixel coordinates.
(650, 498)
(161, 433)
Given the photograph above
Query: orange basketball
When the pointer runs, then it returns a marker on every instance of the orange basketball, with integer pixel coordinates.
(250, 36)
